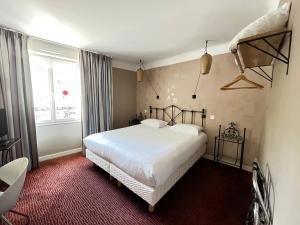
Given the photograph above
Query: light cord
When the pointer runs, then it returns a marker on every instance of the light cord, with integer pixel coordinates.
(206, 42)
(147, 76)
(197, 84)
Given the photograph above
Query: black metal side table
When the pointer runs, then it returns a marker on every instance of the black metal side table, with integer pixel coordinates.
(6, 149)
(231, 135)
(135, 121)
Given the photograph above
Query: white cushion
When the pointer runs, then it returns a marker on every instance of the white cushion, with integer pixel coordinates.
(272, 21)
(187, 128)
(154, 123)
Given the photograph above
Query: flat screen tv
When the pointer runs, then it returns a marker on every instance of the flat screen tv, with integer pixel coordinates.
(3, 123)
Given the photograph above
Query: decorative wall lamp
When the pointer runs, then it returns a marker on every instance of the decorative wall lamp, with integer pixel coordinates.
(140, 76)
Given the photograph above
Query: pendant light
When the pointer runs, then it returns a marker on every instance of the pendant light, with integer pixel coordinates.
(140, 76)
(205, 61)
(140, 73)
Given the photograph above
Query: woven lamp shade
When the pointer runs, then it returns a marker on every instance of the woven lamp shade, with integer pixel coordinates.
(139, 75)
(205, 63)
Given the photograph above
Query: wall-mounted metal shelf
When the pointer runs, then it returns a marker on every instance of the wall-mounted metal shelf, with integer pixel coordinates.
(260, 50)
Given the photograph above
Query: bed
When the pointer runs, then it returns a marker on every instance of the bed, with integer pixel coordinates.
(147, 160)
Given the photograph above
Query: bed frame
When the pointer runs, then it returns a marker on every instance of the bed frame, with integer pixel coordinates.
(175, 114)
(153, 194)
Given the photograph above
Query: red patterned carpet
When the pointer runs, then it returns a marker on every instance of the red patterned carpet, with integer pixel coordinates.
(71, 190)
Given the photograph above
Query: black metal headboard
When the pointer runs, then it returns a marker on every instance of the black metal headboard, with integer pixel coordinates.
(172, 112)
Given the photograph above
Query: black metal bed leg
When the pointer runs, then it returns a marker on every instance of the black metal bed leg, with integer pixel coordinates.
(215, 149)
(21, 214)
(243, 149)
(218, 148)
(4, 157)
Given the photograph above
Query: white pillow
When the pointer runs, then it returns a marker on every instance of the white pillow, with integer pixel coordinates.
(272, 21)
(154, 123)
(187, 128)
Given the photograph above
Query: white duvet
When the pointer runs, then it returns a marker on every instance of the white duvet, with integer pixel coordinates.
(150, 155)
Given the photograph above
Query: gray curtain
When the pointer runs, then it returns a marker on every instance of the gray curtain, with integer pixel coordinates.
(16, 94)
(96, 82)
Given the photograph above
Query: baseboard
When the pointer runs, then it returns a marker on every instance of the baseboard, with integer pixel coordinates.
(211, 157)
(59, 154)
(76, 150)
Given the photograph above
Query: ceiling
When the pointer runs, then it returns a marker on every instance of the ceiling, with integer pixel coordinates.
(132, 29)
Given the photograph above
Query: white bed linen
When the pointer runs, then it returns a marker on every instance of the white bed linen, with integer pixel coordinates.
(148, 154)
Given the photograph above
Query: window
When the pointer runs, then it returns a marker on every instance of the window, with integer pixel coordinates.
(56, 89)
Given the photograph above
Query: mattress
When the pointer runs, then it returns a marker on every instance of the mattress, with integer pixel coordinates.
(150, 155)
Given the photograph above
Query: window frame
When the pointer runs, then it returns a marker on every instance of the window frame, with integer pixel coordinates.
(50, 58)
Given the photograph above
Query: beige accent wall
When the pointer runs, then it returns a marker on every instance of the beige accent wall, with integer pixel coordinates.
(124, 97)
(176, 84)
(280, 145)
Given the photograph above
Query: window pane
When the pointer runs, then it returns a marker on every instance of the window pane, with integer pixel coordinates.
(66, 82)
(40, 84)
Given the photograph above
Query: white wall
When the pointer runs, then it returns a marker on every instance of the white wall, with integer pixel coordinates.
(56, 138)
(280, 146)
(53, 48)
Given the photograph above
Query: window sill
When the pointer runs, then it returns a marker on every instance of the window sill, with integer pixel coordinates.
(53, 123)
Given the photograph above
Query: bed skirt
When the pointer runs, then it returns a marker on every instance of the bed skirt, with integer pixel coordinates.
(150, 194)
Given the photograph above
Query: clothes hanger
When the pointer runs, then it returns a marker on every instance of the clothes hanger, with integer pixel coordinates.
(241, 77)
(244, 78)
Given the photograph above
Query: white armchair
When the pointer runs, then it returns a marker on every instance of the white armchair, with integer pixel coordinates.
(13, 174)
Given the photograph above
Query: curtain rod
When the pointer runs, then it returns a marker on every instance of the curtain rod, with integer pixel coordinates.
(53, 42)
(11, 29)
